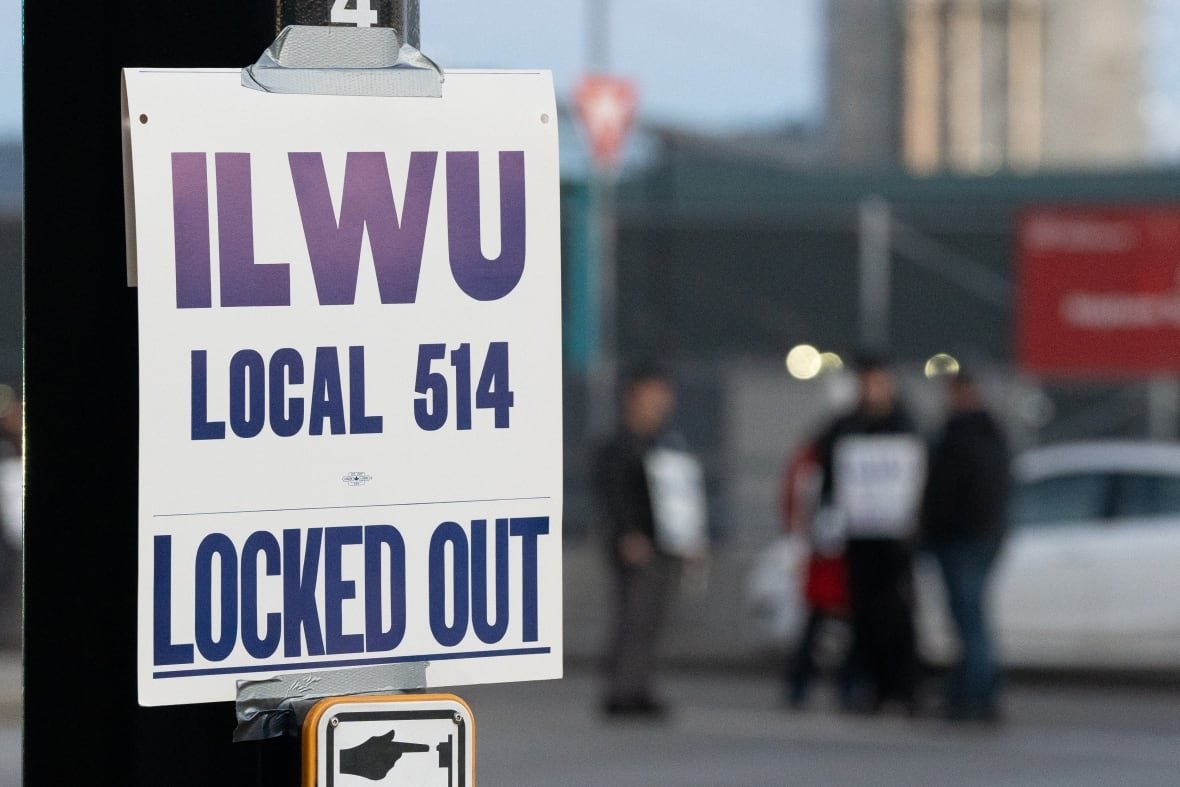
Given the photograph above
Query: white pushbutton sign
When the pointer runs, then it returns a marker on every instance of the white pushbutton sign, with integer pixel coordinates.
(427, 740)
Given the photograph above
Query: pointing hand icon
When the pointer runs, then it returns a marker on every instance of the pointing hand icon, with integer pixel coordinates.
(375, 758)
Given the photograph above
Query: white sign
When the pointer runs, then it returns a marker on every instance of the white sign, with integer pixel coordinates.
(350, 381)
(423, 740)
(878, 483)
(676, 481)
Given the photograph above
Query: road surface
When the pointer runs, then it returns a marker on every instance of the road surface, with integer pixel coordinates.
(731, 730)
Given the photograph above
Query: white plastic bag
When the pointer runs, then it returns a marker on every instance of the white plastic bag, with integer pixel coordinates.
(773, 605)
(11, 494)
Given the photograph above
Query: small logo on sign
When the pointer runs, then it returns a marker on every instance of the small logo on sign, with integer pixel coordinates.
(357, 478)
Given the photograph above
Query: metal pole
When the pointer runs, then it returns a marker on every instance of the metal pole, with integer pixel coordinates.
(875, 261)
(401, 15)
(598, 16)
(82, 721)
(605, 231)
(603, 207)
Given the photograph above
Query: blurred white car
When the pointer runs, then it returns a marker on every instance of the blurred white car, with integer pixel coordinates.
(1091, 572)
(1089, 575)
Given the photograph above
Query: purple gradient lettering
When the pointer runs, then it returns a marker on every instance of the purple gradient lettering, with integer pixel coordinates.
(334, 247)
(476, 275)
(244, 283)
(190, 218)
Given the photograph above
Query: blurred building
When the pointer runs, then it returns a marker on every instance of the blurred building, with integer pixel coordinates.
(862, 127)
(1022, 84)
(975, 86)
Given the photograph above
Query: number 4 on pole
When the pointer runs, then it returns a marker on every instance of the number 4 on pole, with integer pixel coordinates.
(362, 13)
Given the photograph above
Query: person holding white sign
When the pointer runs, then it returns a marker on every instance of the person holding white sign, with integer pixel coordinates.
(874, 467)
(651, 496)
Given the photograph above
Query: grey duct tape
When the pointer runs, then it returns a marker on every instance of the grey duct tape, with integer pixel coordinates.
(344, 61)
(276, 706)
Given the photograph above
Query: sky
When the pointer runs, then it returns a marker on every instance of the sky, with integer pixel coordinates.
(705, 64)
(9, 69)
(1162, 94)
(708, 64)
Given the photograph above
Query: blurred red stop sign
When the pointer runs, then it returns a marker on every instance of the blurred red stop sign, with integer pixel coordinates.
(606, 106)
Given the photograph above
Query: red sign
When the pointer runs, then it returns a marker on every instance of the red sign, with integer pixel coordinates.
(606, 107)
(1099, 290)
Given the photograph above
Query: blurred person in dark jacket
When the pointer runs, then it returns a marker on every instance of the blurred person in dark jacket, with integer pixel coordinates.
(651, 498)
(964, 518)
(873, 471)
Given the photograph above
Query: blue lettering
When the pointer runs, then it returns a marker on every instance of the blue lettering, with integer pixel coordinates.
(378, 537)
(247, 396)
(327, 401)
(286, 415)
(243, 281)
(452, 634)
(299, 602)
(366, 205)
(337, 589)
(468, 589)
(216, 648)
(359, 423)
(164, 650)
(257, 395)
(484, 628)
(528, 528)
(479, 277)
(265, 544)
(334, 238)
(202, 427)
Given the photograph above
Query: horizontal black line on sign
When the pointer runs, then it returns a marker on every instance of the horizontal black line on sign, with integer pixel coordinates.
(369, 505)
(301, 666)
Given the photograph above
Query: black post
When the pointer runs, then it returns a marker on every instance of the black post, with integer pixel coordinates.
(82, 723)
(387, 13)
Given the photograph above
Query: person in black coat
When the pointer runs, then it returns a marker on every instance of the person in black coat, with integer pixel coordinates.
(644, 573)
(873, 463)
(964, 518)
